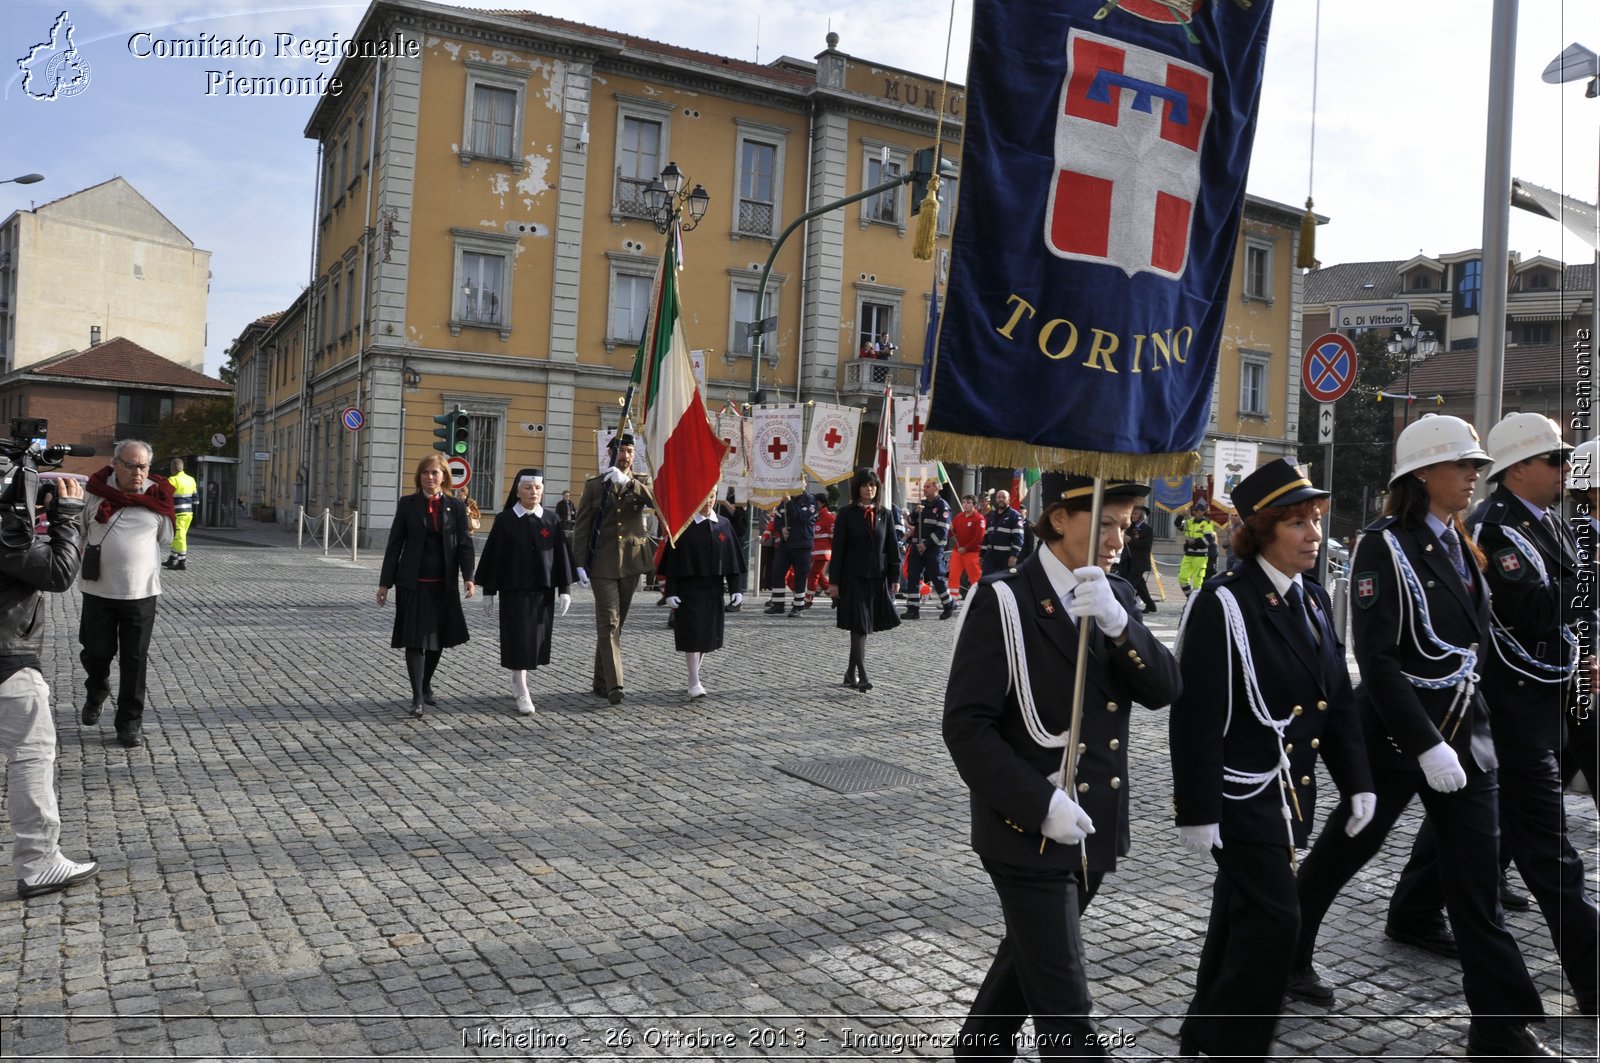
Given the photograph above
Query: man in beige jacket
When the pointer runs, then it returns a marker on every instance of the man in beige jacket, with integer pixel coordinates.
(613, 550)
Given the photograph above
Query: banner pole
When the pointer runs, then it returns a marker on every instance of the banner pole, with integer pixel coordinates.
(1080, 678)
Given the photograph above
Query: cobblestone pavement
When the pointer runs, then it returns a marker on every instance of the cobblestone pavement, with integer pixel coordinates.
(292, 867)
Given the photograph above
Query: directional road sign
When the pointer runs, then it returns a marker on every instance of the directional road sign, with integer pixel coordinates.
(460, 471)
(1329, 367)
(1325, 423)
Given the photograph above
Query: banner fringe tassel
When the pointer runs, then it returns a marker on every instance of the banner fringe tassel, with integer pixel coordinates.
(925, 241)
(1017, 454)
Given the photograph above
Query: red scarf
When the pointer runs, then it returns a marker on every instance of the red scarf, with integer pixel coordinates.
(157, 499)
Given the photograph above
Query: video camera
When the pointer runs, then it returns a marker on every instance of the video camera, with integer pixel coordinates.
(22, 455)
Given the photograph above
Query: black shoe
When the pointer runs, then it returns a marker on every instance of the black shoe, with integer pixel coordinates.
(850, 679)
(730, 608)
(773, 609)
(416, 707)
(1188, 1047)
(615, 696)
(1435, 938)
(794, 611)
(1307, 985)
(91, 711)
(1498, 1040)
(1150, 608)
(130, 735)
(170, 562)
(1510, 899)
(912, 613)
(182, 565)
(948, 611)
(427, 696)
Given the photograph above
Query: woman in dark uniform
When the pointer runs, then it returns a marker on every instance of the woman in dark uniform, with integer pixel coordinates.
(1420, 620)
(1006, 737)
(865, 571)
(525, 563)
(1244, 761)
(429, 547)
(705, 561)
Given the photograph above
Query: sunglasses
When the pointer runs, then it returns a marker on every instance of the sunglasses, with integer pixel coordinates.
(1555, 459)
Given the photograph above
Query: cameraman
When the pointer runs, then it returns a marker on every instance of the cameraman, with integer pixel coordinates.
(27, 730)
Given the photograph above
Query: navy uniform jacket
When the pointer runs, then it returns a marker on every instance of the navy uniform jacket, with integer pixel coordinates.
(705, 551)
(402, 556)
(794, 523)
(1007, 773)
(525, 553)
(1301, 681)
(1524, 709)
(1138, 541)
(932, 528)
(1003, 537)
(1401, 722)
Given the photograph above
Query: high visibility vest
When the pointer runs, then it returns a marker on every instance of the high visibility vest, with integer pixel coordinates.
(185, 492)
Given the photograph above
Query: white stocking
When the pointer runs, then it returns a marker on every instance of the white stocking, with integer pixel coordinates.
(693, 660)
(519, 683)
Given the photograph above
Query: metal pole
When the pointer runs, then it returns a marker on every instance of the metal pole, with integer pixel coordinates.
(754, 545)
(1327, 526)
(1069, 753)
(1496, 217)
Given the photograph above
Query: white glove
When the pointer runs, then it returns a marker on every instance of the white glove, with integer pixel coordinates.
(583, 578)
(565, 601)
(1362, 806)
(1066, 821)
(736, 599)
(1202, 838)
(1094, 597)
(1443, 769)
(616, 476)
(674, 601)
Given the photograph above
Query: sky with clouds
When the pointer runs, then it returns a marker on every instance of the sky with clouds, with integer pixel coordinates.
(1401, 104)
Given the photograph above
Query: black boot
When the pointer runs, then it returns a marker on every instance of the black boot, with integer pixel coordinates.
(430, 662)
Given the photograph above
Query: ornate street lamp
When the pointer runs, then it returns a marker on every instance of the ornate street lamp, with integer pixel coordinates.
(1411, 342)
(666, 199)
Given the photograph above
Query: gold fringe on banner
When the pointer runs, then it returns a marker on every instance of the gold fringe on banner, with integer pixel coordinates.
(925, 241)
(1016, 454)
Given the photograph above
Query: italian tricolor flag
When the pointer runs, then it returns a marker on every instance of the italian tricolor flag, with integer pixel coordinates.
(685, 453)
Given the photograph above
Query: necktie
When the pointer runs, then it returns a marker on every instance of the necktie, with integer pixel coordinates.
(872, 518)
(1297, 605)
(1452, 546)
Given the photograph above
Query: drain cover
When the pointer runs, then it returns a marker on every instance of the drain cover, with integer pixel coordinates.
(851, 775)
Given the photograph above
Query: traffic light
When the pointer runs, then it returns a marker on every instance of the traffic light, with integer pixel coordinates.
(453, 433)
(922, 173)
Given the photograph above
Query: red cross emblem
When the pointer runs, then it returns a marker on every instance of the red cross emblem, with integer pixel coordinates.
(1127, 153)
(731, 448)
(777, 448)
(917, 428)
(545, 532)
(832, 437)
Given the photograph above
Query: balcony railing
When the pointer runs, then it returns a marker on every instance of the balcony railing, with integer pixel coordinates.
(631, 200)
(869, 376)
(755, 217)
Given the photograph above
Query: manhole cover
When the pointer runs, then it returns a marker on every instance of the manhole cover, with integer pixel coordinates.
(851, 775)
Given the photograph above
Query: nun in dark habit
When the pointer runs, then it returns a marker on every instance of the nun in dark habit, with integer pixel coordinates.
(525, 565)
(705, 561)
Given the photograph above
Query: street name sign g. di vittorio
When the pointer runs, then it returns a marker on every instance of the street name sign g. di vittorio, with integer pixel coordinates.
(290, 48)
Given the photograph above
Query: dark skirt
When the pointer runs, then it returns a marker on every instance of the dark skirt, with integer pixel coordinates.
(429, 618)
(865, 605)
(527, 621)
(697, 627)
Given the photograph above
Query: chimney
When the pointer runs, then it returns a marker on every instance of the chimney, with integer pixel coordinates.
(94, 335)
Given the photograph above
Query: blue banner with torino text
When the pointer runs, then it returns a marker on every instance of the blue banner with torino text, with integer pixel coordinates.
(1102, 182)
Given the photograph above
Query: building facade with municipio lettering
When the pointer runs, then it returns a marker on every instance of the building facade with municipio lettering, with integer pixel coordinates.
(483, 239)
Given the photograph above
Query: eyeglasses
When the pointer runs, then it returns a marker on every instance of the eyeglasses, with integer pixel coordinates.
(136, 468)
(1555, 459)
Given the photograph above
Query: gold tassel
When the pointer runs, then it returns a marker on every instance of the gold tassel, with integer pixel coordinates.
(927, 235)
(1306, 257)
(1015, 453)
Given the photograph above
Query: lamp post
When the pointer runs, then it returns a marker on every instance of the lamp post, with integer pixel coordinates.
(25, 179)
(1410, 342)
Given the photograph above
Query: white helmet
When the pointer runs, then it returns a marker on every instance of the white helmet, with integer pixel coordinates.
(1435, 437)
(1519, 436)
(1583, 474)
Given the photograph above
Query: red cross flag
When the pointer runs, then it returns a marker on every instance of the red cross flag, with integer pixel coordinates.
(831, 446)
(910, 421)
(735, 432)
(775, 453)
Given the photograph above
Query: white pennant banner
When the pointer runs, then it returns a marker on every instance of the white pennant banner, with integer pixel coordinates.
(735, 431)
(775, 452)
(831, 446)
